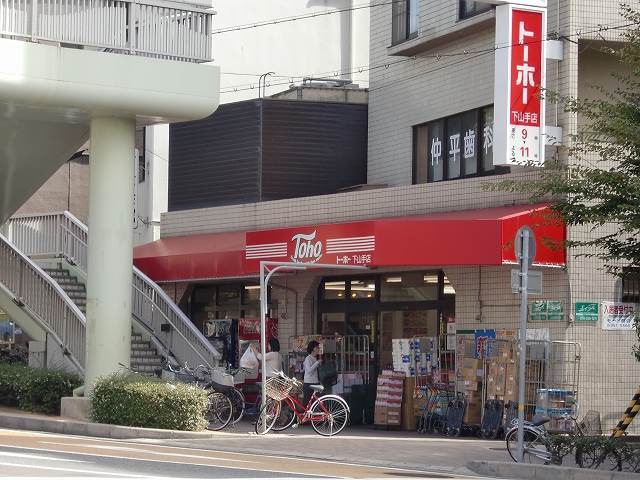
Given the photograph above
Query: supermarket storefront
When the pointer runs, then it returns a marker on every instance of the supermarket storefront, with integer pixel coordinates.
(405, 290)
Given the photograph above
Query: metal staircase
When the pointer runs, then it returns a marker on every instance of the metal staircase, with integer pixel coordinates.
(144, 356)
(61, 236)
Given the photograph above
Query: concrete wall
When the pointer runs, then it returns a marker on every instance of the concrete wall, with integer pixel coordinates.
(67, 189)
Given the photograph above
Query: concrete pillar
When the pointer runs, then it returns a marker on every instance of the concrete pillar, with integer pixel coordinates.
(110, 252)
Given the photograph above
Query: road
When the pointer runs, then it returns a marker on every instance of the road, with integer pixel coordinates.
(43, 455)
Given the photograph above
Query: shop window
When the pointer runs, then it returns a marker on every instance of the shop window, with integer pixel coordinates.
(363, 289)
(631, 285)
(332, 324)
(250, 294)
(469, 8)
(404, 20)
(447, 288)
(334, 290)
(459, 146)
(228, 296)
(409, 287)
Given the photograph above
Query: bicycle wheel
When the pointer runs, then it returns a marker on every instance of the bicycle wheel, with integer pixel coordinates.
(535, 450)
(220, 411)
(237, 400)
(329, 416)
(268, 416)
(285, 419)
(598, 457)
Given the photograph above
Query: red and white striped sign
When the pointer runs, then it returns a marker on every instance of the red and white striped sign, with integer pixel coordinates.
(348, 244)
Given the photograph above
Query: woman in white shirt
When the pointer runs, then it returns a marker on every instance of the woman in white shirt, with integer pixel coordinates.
(273, 361)
(310, 366)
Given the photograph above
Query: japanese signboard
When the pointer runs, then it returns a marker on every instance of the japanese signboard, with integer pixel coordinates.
(587, 312)
(546, 310)
(618, 315)
(347, 244)
(518, 137)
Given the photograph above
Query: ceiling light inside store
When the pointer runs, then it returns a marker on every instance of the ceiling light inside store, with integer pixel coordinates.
(252, 287)
(430, 279)
(449, 290)
(393, 279)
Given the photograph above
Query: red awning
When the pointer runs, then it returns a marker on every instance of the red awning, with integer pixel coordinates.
(470, 237)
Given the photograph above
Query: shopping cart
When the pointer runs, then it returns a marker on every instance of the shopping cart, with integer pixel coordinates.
(434, 413)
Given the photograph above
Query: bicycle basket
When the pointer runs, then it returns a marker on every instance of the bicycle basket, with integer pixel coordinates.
(278, 388)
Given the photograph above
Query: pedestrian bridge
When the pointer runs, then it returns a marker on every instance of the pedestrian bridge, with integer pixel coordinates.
(74, 70)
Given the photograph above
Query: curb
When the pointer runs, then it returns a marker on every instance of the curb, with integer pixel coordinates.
(544, 472)
(75, 427)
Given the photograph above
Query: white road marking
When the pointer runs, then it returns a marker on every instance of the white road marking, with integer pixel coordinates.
(150, 452)
(86, 454)
(74, 470)
(38, 457)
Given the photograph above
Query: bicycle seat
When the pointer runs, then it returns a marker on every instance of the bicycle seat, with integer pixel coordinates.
(540, 420)
(317, 388)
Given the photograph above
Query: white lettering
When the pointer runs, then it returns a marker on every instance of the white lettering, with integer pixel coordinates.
(306, 249)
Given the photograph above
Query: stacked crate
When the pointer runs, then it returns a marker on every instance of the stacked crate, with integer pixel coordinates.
(388, 407)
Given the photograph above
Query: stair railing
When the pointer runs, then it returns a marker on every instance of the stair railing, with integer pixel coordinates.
(44, 300)
(63, 235)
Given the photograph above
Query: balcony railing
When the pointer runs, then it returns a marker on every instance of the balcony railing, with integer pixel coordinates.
(153, 28)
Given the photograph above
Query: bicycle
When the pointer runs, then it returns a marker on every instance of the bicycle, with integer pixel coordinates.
(537, 446)
(328, 414)
(220, 407)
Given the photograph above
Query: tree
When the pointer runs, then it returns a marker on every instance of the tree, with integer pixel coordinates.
(599, 186)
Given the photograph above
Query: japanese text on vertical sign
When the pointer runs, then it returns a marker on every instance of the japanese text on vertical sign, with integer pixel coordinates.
(526, 67)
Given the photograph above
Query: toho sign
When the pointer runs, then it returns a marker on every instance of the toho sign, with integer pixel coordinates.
(587, 312)
(349, 244)
(518, 136)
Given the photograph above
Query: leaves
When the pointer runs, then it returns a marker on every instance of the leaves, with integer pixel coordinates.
(34, 389)
(137, 401)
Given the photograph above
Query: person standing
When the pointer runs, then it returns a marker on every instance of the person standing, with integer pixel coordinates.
(273, 360)
(310, 366)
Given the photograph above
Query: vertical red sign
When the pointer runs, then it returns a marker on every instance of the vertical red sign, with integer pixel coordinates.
(526, 67)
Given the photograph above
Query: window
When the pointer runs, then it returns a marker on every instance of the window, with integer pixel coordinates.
(455, 147)
(469, 8)
(404, 20)
(631, 285)
(409, 287)
(336, 290)
(141, 146)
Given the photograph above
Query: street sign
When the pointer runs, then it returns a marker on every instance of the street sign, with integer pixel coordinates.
(532, 245)
(534, 284)
(587, 312)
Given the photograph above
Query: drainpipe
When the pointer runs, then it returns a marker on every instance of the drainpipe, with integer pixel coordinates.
(295, 296)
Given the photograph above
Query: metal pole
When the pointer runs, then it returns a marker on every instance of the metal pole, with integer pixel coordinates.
(524, 284)
(263, 329)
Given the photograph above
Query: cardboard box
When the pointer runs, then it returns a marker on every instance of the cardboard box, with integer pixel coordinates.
(470, 374)
(473, 386)
(474, 363)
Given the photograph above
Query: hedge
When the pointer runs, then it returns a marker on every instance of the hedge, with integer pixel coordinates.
(597, 452)
(136, 401)
(35, 389)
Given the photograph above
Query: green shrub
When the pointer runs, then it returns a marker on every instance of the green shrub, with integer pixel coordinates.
(137, 401)
(35, 389)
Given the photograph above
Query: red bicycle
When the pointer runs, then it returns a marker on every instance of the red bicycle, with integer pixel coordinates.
(328, 414)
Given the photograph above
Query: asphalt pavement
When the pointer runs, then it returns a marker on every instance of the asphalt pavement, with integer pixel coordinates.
(43, 455)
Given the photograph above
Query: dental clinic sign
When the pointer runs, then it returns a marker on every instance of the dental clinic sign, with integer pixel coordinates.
(519, 111)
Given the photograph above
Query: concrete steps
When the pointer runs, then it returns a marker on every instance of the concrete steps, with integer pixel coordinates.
(144, 357)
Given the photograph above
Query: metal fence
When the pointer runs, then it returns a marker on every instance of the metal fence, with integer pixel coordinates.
(155, 28)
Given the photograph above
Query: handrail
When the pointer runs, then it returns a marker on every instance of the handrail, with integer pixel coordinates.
(155, 28)
(47, 303)
(63, 235)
